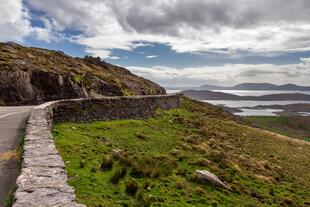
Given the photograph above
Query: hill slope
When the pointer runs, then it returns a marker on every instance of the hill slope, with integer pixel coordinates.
(156, 161)
(34, 75)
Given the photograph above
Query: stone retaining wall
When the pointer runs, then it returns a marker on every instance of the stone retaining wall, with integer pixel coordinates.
(43, 179)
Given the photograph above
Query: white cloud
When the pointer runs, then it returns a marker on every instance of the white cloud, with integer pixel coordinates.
(305, 61)
(14, 21)
(151, 56)
(185, 25)
(261, 27)
(228, 74)
(99, 52)
(114, 58)
(46, 33)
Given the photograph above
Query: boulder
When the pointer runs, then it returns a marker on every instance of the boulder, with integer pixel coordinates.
(209, 177)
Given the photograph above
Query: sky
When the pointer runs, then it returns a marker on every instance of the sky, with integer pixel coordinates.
(173, 42)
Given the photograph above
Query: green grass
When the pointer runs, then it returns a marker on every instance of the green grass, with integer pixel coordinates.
(157, 159)
(296, 127)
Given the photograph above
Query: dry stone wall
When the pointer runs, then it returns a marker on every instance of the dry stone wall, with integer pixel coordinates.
(43, 179)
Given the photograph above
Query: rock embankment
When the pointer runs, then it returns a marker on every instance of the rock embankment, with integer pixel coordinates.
(34, 76)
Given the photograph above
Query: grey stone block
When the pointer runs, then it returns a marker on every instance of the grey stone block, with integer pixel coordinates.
(44, 197)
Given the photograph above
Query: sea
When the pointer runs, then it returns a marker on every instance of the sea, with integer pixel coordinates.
(242, 105)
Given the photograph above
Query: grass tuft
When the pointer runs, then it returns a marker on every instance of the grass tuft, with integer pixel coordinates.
(107, 163)
(132, 187)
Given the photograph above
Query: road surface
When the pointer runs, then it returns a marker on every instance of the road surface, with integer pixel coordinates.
(12, 126)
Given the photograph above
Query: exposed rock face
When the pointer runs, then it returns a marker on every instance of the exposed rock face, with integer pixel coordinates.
(209, 177)
(19, 87)
(33, 76)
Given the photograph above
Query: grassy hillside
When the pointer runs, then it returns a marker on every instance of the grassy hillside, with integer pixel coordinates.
(153, 162)
(293, 126)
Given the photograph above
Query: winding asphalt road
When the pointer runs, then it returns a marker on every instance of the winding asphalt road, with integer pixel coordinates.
(12, 126)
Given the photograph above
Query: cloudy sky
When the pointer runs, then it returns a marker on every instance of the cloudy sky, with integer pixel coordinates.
(173, 42)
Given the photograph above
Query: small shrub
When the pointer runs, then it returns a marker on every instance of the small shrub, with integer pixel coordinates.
(153, 167)
(192, 139)
(145, 200)
(204, 163)
(2, 103)
(135, 170)
(141, 136)
(271, 191)
(142, 169)
(118, 174)
(123, 160)
(214, 204)
(287, 202)
(186, 147)
(176, 152)
(132, 187)
(107, 163)
(180, 185)
(179, 120)
(146, 185)
(217, 157)
(181, 172)
(166, 164)
(93, 169)
(199, 190)
(156, 173)
(82, 164)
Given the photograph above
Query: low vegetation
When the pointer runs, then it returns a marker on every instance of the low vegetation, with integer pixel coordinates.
(153, 162)
(293, 126)
(2, 103)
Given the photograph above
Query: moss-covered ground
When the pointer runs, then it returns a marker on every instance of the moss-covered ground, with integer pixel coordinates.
(153, 162)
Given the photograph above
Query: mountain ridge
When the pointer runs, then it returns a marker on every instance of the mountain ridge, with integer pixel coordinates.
(211, 95)
(257, 86)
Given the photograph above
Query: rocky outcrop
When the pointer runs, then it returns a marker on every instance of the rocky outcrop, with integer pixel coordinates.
(33, 87)
(43, 179)
(34, 76)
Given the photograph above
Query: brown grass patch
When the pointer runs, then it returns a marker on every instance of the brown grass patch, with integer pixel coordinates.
(8, 155)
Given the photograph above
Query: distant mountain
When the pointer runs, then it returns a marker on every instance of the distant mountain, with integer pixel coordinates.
(181, 88)
(258, 87)
(211, 95)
